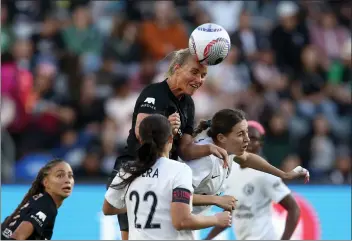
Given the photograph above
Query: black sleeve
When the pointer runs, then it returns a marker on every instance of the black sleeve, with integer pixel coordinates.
(151, 101)
(40, 214)
(190, 121)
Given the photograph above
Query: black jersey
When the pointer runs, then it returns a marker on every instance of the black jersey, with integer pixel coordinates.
(158, 99)
(40, 211)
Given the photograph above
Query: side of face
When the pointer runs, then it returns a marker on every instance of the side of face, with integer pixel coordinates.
(255, 142)
(237, 140)
(60, 180)
(191, 76)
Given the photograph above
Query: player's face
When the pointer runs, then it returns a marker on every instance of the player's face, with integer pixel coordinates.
(255, 140)
(191, 76)
(236, 142)
(60, 180)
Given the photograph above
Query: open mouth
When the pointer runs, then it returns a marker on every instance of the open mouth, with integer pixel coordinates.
(67, 189)
(195, 86)
(244, 147)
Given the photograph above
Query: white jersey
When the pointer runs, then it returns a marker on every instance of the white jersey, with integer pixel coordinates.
(255, 191)
(148, 200)
(208, 175)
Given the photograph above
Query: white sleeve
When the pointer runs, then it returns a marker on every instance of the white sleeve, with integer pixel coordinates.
(114, 196)
(183, 179)
(274, 187)
(201, 169)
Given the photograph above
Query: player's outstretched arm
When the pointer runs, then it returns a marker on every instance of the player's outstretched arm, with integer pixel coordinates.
(293, 213)
(23, 231)
(258, 163)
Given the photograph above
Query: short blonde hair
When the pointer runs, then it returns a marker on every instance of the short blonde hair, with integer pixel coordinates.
(178, 57)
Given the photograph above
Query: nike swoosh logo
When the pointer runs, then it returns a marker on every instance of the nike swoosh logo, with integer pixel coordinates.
(212, 177)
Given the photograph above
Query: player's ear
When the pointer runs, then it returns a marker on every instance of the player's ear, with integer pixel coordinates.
(45, 182)
(176, 67)
(221, 138)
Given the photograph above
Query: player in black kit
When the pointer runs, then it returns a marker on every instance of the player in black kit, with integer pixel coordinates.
(171, 98)
(34, 218)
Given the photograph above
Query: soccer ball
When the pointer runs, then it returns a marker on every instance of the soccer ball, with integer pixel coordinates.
(209, 43)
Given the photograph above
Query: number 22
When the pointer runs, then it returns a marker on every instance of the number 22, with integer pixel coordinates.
(149, 224)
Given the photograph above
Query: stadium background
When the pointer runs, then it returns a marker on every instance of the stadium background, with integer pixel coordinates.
(72, 70)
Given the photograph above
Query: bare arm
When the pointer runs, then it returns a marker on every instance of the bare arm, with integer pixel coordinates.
(108, 209)
(293, 213)
(23, 231)
(139, 119)
(204, 200)
(190, 151)
(258, 163)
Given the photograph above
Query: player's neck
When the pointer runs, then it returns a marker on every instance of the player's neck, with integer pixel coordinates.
(57, 199)
(219, 144)
(178, 93)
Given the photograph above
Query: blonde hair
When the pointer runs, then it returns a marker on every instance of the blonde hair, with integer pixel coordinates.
(178, 57)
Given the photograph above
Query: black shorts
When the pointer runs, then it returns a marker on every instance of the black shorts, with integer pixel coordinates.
(123, 220)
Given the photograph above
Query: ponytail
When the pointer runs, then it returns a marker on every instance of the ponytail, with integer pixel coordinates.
(155, 131)
(203, 125)
(147, 156)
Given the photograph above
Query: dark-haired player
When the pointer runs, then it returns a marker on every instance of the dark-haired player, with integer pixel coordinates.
(34, 218)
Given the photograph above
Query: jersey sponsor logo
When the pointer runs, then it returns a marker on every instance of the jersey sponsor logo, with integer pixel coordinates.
(248, 189)
(150, 100)
(41, 216)
(308, 227)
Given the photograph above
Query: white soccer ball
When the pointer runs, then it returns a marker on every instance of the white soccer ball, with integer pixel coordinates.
(209, 43)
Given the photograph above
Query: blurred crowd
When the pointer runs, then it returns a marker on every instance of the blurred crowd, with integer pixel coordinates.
(71, 72)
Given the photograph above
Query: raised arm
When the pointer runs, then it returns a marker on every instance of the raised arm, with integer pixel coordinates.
(258, 163)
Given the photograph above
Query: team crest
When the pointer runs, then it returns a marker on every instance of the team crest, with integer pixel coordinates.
(248, 189)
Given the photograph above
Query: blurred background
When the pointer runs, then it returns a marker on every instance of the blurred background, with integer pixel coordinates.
(71, 72)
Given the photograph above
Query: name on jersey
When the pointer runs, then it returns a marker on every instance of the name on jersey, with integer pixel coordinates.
(151, 173)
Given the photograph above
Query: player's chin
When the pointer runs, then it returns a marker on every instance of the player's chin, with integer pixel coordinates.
(191, 90)
(66, 192)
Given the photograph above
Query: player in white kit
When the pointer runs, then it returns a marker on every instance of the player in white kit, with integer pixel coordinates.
(157, 191)
(255, 191)
(228, 129)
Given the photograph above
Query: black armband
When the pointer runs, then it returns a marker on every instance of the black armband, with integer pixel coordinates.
(181, 195)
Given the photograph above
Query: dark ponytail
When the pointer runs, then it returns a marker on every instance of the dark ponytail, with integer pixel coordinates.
(154, 132)
(36, 188)
(221, 123)
(203, 125)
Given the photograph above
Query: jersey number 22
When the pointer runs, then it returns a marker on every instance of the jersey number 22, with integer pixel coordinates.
(148, 224)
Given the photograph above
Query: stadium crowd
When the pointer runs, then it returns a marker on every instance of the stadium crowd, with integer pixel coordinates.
(71, 72)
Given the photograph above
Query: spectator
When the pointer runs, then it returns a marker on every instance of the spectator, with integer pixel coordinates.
(246, 38)
(81, 38)
(232, 76)
(48, 42)
(328, 36)
(221, 11)
(120, 108)
(289, 38)
(309, 88)
(263, 14)
(165, 33)
(277, 146)
(122, 45)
